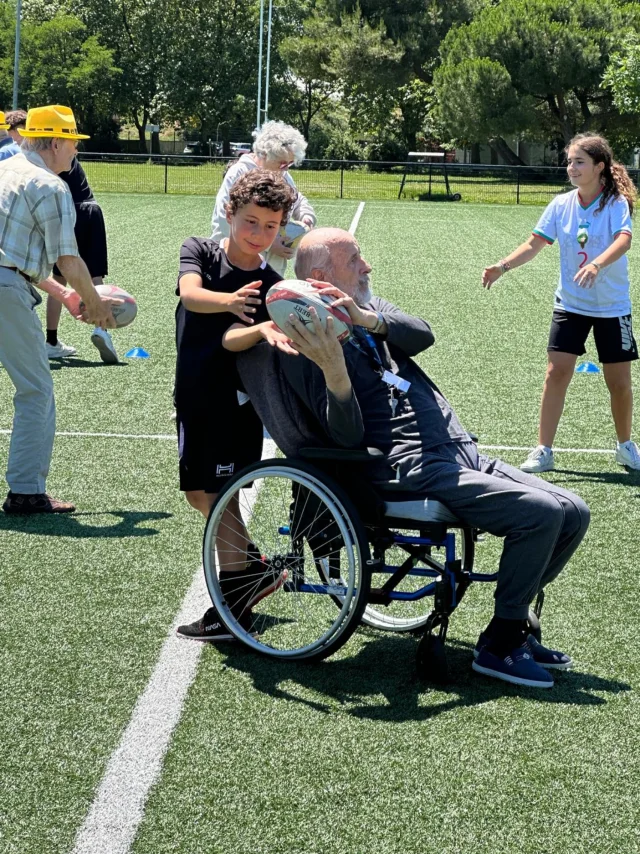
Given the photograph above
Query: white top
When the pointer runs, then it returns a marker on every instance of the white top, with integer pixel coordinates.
(584, 233)
(37, 216)
(219, 224)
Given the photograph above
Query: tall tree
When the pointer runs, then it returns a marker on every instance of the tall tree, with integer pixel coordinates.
(526, 67)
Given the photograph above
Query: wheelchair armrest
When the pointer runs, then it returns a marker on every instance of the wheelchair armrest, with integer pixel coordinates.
(350, 455)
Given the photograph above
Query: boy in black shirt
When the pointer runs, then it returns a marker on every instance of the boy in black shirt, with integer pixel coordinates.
(222, 289)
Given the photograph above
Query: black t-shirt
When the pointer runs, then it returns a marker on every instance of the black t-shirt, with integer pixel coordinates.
(76, 179)
(202, 360)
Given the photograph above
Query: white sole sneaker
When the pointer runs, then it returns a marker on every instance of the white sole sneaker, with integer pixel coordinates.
(60, 350)
(104, 346)
(535, 467)
(629, 459)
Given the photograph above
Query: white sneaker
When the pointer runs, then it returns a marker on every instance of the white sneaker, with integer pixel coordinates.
(102, 340)
(60, 350)
(628, 455)
(540, 459)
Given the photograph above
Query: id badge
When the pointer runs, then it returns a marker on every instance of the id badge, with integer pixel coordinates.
(396, 381)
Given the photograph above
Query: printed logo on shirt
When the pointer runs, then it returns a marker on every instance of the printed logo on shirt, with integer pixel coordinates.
(583, 234)
(626, 334)
(224, 471)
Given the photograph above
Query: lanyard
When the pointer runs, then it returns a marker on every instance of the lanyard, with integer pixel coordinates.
(395, 384)
(363, 340)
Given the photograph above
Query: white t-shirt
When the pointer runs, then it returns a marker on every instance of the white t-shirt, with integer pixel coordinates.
(584, 233)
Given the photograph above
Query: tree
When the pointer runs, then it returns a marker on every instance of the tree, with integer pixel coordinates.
(535, 65)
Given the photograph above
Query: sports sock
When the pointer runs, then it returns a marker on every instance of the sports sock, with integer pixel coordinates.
(52, 337)
(505, 635)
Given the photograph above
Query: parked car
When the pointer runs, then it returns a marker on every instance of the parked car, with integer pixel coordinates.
(239, 148)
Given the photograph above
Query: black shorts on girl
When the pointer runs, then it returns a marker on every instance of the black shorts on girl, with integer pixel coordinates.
(613, 336)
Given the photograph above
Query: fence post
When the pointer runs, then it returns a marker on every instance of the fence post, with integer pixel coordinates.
(341, 178)
(166, 173)
(518, 185)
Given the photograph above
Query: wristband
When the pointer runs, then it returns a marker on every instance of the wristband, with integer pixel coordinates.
(378, 327)
(597, 266)
(505, 266)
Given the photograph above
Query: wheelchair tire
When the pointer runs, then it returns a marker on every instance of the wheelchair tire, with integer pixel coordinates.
(431, 660)
(290, 510)
(392, 618)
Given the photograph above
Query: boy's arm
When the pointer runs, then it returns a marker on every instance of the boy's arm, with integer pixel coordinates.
(239, 337)
(202, 301)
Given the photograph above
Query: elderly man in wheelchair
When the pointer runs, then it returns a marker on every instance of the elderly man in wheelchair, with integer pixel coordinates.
(375, 508)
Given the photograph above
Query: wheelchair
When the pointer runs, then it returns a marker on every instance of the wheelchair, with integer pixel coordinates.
(331, 553)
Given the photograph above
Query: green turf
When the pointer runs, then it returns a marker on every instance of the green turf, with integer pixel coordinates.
(353, 755)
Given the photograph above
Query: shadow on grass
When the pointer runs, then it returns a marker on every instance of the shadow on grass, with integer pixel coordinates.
(71, 525)
(380, 682)
(58, 364)
(630, 478)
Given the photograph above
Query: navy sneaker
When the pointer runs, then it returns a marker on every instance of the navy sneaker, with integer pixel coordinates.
(518, 667)
(550, 659)
(209, 628)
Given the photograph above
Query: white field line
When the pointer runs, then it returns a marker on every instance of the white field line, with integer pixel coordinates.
(172, 438)
(118, 806)
(356, 218)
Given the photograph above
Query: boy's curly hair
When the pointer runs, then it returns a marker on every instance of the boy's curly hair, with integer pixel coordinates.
(265, 189)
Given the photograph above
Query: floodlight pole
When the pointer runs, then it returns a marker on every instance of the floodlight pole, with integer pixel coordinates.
(266, 85)
(261, 31)
(16, 57)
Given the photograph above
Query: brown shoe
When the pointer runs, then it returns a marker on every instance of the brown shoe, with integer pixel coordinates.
(40, 503)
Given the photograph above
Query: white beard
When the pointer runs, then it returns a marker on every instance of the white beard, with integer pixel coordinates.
(363, 293)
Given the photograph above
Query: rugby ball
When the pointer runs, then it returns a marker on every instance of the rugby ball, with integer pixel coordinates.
(293, 296)
(123, 314)
(292, 233)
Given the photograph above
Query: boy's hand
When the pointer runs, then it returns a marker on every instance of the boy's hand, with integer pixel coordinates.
(240, 303)
(278, 248)
(273, 336)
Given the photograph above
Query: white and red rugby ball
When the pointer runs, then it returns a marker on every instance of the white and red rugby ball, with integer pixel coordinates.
(293, 296)
(125, 313)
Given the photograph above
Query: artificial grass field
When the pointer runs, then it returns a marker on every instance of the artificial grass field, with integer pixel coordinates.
(352, 756)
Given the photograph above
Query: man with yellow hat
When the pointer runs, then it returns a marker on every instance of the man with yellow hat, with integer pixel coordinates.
(37, 219)
(7, 146)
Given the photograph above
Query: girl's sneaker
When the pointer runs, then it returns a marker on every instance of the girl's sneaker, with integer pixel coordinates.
(628, 455)
(539, 460)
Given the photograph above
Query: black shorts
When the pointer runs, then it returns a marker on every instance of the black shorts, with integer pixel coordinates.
(613, 336)
(212, 448)
(91, 238)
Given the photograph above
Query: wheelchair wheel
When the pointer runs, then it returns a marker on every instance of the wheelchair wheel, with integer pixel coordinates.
(293, 514)
(409, 616)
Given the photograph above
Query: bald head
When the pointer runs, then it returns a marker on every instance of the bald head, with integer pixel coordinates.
(333, 255)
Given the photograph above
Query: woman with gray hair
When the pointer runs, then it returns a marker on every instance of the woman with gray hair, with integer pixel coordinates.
(277, 146)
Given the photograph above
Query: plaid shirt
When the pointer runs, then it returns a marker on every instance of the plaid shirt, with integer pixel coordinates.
(37, 216)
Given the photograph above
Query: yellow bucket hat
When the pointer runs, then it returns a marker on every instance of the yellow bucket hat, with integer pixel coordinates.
(54, 120)
(3, 123)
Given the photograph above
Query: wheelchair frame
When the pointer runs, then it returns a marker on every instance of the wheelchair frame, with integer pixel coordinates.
(363, 535)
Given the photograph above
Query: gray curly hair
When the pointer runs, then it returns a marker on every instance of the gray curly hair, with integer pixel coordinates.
(275, 140)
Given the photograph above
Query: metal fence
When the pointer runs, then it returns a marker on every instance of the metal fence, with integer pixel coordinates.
(335, 179)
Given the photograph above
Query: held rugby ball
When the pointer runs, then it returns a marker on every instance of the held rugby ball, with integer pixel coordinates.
(123, 314)
(292, 233)
(293, 296)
